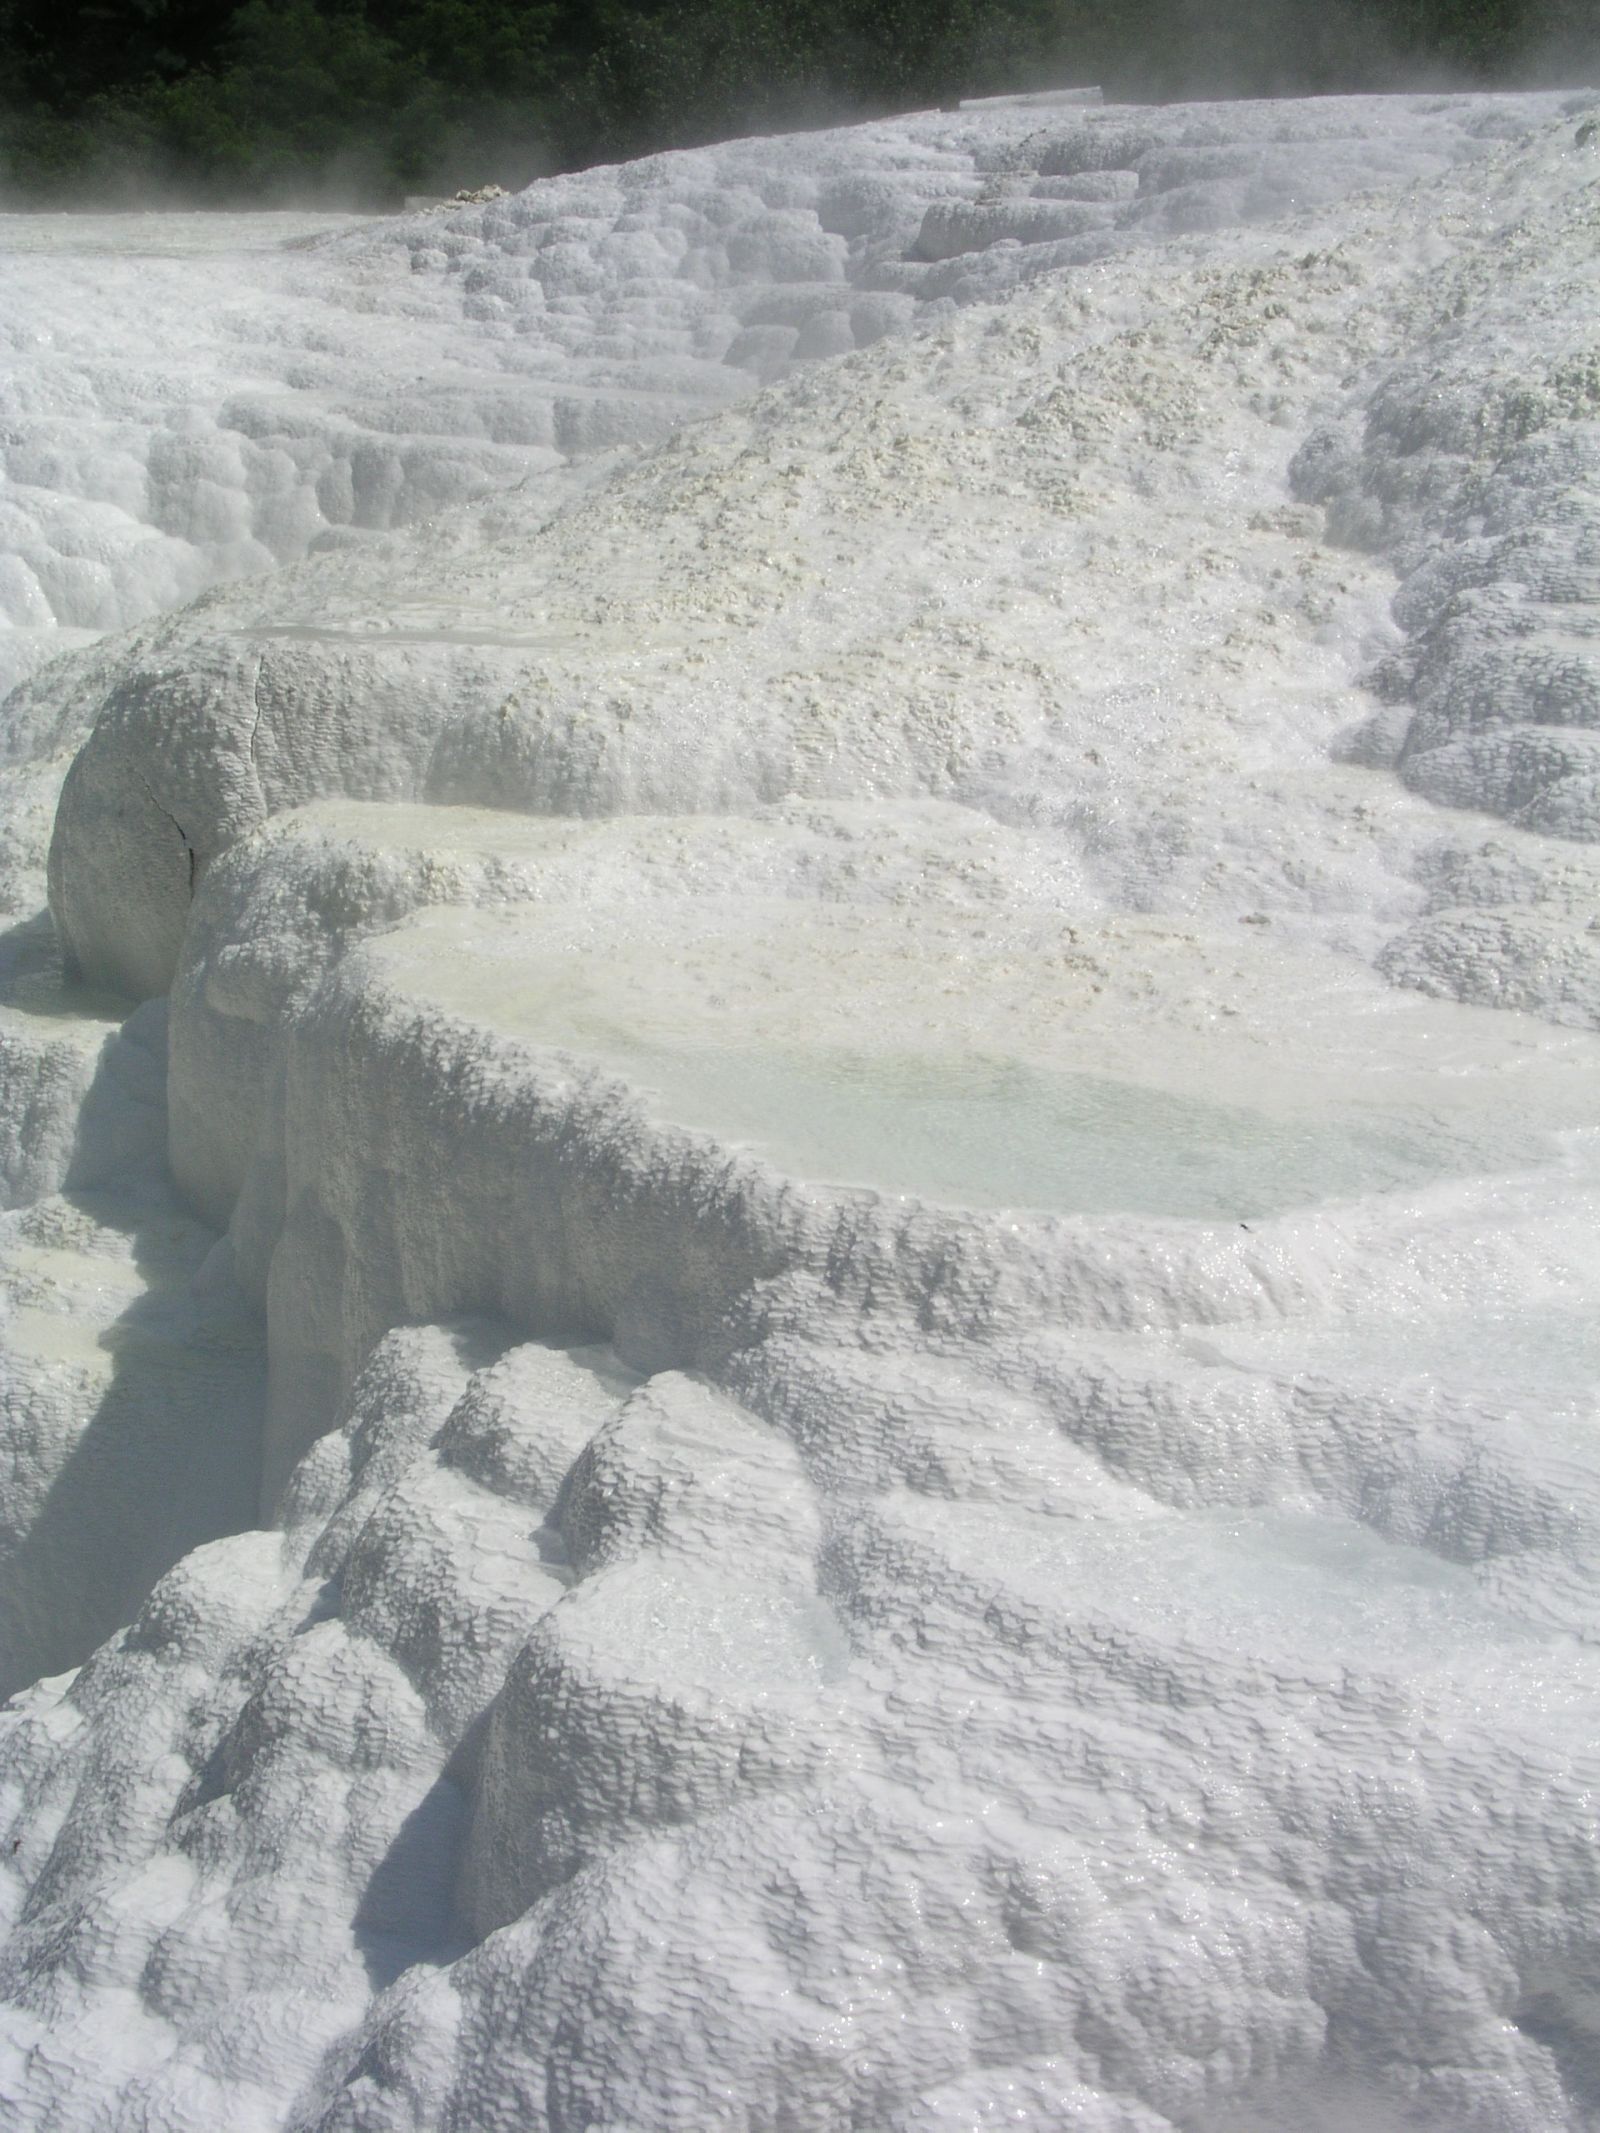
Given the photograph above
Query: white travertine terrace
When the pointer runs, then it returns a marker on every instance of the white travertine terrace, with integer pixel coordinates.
(825, 1355)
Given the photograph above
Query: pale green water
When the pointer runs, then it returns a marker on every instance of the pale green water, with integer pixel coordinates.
(1001, 1134)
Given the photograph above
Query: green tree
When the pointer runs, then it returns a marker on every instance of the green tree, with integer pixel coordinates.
(260, 99)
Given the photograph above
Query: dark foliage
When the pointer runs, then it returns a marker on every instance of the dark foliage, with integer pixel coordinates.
(263, 100)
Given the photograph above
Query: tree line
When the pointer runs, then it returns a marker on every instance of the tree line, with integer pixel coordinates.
(264, 101)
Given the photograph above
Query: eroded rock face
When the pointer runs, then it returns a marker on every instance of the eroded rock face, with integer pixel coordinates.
(926, 1455)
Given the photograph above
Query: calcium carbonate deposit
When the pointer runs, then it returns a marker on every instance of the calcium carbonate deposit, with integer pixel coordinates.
(800, 1107)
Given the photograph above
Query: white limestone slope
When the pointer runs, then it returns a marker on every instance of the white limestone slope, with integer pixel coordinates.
(906, 1089)
(187, 398)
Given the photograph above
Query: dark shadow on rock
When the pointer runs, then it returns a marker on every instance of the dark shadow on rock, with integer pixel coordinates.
(167, 1458)
(82, 1080)
(99, 1504)
(407, 1909)
(28, 949)
(122, 1122)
